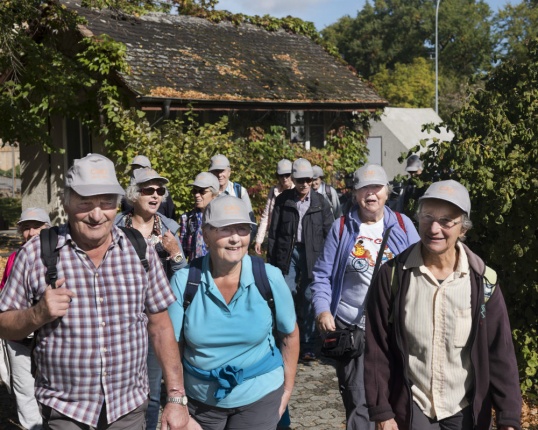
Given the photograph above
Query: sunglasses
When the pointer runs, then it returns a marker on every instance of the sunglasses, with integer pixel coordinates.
(303, 180)
(285, 175)
(148, 191)
(201, 191)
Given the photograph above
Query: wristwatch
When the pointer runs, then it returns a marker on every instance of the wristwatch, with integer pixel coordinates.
(180, 400)
(177, 257)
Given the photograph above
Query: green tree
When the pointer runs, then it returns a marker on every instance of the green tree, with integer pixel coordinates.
(513, 26)
(408, 85)
(388, 33)
(398, 31)
(495, 154)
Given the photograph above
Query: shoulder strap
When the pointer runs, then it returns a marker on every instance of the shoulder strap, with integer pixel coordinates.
(193, 280)
(400, 221)
(139, 244)
(237, 189)
(49, 254)
(262, 282)
(328, 192)
(342, 222)
(394, 285)
(490, 281)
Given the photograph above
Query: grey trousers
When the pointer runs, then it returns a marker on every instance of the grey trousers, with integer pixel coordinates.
(260, 415)
(350, 375)
(134, 420)
(463, 420)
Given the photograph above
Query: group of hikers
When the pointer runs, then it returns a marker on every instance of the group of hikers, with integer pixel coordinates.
(98, 312)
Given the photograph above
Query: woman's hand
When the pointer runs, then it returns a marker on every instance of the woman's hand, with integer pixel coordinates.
(325, 322)
(386, 425)
(258, 248)
(170, 243)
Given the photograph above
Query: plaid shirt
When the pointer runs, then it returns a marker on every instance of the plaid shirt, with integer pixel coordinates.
(97, 352)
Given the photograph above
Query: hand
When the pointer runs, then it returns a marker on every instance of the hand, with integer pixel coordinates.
(325, 322)
(170, 243)
(55, 302)
(176, 417)
(258, 248)
(386, 425)
(284, 402)
(193, 424)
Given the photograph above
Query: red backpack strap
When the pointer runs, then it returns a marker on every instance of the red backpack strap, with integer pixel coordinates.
(342, 222)
(400, 221)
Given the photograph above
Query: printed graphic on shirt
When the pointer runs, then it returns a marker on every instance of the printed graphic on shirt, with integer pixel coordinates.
(362, 255)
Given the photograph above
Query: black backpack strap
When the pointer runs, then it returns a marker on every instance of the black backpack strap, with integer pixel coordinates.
(262, 282)
(193, 280)
(49, 254)
(328, 191)
(139, 244)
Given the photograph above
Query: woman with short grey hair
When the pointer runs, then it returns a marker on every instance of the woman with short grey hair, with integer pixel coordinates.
(439, 350)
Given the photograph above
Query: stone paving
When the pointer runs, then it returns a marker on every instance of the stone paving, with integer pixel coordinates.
(316, 403)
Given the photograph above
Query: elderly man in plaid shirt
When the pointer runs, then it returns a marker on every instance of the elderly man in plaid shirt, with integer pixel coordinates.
(93, 326)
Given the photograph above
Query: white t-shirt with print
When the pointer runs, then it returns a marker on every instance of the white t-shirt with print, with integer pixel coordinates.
(359, 271)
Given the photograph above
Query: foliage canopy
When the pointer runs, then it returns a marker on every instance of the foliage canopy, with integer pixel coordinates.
(495, 154)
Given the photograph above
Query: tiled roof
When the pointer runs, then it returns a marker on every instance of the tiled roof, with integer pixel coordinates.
(189, 58)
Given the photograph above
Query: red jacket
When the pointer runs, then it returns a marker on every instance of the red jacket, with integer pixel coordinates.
(496, 378)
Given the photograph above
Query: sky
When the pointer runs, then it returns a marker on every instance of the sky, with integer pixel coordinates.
(321, 12)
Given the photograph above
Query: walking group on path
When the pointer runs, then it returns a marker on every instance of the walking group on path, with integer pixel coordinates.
(98, 312)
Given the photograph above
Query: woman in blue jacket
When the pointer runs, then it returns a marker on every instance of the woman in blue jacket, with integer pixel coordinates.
(343, 272)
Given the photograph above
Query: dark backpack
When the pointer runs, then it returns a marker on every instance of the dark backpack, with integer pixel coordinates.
(260, 279)
(49, 253)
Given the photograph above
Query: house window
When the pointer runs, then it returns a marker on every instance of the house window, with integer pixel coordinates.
(297, 126)
(316, 129)
(308, 128)
(78, 140)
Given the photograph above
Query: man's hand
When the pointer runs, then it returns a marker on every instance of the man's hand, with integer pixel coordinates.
(54, 303)
(325, 322)
(176, 417)
(386, 425)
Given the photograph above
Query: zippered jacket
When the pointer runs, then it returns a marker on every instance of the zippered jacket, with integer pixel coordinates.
(328, 274)
(316, 224)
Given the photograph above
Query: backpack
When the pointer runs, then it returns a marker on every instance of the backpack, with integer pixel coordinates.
(260, 279)
(329, 193)
(49, 253)
(238, 190)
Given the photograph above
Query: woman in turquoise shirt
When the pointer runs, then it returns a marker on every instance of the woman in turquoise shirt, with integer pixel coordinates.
(226, 331)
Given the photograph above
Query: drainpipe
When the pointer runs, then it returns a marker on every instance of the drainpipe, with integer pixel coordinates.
(165, 111)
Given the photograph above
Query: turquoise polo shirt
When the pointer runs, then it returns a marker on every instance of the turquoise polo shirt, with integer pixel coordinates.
(237, 334)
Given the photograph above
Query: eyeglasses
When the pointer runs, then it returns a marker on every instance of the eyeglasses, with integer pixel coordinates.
(303, 180)
(445, 222)
(148, 191)
(201, 191)
(229, 230)
(285, 175)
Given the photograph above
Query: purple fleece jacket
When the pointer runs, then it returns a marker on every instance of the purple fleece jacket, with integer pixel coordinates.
(328, 273)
